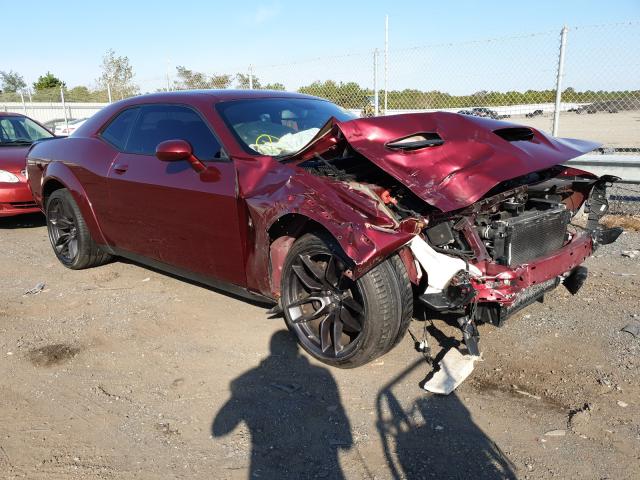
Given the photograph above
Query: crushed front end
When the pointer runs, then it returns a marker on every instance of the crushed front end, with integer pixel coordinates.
(491, 206)
(517, 245)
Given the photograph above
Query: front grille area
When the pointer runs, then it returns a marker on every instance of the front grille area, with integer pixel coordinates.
(496, 314)
(531, 235)
(21, 205)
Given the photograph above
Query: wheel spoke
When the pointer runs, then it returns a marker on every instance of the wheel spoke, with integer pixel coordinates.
(353, 305)
(309, 316)
(325, 333)
(62, 222)
(308, 282)
(62, 241)
(349, 320)
(313, 269)
(337, 335)
(331, 273)
(305, 300)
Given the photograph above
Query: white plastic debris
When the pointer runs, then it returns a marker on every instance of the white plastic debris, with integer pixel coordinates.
(35, 290)
(454, 369)
(440, 268)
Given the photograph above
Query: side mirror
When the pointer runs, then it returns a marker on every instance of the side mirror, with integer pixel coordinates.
(173, 150)
(177, 150)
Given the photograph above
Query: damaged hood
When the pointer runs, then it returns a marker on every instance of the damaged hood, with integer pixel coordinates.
(475, 154)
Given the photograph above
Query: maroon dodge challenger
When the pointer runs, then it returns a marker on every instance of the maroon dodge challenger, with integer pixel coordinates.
(345, 224)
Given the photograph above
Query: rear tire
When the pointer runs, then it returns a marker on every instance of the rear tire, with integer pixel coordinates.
(341, 322)
(69, 235)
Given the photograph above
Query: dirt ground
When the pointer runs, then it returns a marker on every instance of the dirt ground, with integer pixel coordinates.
(123, 372)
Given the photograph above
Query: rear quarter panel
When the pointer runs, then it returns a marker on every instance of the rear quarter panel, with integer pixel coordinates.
(80, 165)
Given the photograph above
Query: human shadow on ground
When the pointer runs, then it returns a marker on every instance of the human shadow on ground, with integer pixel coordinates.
(293, 412)
(435, 437)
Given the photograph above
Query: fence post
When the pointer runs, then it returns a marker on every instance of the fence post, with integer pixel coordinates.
(556, 110)
(250, 77)
(109, 92)
(376, 104)
(386, 60)
(64, 108)
(24, 106)
(168, 76)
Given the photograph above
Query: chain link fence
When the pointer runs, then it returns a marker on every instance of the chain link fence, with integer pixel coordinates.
(581, 82)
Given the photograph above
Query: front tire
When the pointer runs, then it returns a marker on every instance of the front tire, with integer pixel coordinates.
(341, 322)
(69, 235)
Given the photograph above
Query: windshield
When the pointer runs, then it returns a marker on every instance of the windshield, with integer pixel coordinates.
(21, 131)
(278, 126)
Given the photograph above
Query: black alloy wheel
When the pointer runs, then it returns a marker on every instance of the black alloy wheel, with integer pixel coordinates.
(326, 309)
(63, 230)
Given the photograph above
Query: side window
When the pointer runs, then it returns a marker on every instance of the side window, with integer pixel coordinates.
(118, 130)
(157, 123)
(8, 132)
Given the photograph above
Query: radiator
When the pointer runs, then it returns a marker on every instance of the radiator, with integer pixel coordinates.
(531, 235)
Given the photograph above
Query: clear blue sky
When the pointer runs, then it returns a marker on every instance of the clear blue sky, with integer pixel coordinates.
(69, 38)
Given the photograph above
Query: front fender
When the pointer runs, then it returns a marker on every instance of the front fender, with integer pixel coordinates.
(365, 235)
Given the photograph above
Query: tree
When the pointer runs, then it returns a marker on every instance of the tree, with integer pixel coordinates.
(79, 94)
(274, 86)
(347, 95)
(117, 73)
(243, 82)
(47, 82)
(188, 79)
(11, 81)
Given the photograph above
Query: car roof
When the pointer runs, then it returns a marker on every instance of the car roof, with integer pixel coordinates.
(217, 95)
(11, 114)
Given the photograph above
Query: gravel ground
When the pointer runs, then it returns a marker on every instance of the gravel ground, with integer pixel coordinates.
(124, 372)
(620, 129)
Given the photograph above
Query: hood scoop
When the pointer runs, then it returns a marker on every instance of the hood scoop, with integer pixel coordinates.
(416, 141)
(515, 134)
(450, 169)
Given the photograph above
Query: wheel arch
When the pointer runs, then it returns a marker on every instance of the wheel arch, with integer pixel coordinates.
(283, 232)
(60, 176)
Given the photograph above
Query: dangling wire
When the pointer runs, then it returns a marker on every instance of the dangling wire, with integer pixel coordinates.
(422, 345)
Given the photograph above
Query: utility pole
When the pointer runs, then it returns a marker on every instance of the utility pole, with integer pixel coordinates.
(64, 108)
(24, 106)
(556, 111)
(386, 60)
(168, 78)
(376, 100)
(250, 77)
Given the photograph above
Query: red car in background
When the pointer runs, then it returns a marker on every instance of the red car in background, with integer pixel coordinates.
(346, 223)
(17, 134)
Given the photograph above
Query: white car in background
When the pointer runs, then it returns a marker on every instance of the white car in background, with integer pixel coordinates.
(65, 129)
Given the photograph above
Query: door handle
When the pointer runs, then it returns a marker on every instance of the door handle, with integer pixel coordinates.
(120, 168)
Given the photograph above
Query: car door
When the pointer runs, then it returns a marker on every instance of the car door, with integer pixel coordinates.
(168, 212)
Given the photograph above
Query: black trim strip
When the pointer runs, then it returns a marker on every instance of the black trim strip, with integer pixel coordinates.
(214, 283)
